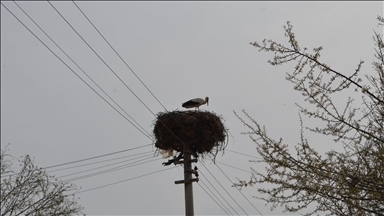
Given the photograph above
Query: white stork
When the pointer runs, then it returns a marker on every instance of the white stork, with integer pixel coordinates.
(195, 103)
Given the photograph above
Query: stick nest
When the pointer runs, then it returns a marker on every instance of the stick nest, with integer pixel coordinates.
(202, 131)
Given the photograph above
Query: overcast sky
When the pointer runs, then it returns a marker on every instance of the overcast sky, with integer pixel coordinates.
(180, 50)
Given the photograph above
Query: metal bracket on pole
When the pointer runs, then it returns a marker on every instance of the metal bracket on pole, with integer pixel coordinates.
(183, 181)
(182, 161)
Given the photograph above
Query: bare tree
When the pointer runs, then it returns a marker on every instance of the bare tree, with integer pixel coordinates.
(350, 182)
(30, 191)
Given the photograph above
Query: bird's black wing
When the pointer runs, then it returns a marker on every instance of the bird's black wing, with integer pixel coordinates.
(189, 103)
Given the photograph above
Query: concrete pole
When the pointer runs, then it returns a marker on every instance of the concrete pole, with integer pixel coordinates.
(188, 183)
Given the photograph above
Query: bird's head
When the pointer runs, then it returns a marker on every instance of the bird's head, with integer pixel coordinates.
(206, 100)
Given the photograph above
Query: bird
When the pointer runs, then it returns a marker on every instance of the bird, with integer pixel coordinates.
(196, 103)
(170, 161)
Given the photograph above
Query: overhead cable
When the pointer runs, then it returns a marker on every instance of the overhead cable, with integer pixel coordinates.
(99, 156)
(70, 68)
(95, 188)
(239, 191)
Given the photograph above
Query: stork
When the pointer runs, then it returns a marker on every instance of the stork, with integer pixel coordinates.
(196, 103)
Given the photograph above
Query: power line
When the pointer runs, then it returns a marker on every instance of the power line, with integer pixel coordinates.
(95, 188)
(112, 70)
(126, 65)
(88, 170)
(212, 197)
(234, 167)
(87, 83)
(99, 156)
(99, 162)
(110, 170)
(150, 137)
(119, 55)
(216, 198)
(218, 193)
(243, 154)
(79, 78)
(120, 58)
(90, 163)
(115, 73)
(75, 74)
(69, 66)
(100, 58)
(239, 191)
(226, 190)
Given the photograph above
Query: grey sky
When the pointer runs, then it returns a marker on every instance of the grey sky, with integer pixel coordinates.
(180, 50)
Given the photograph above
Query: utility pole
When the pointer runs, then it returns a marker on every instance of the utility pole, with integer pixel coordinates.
(188, 180)
(188, 183)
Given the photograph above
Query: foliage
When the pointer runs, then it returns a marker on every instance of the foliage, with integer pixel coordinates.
(30, 191)
(350, 182)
